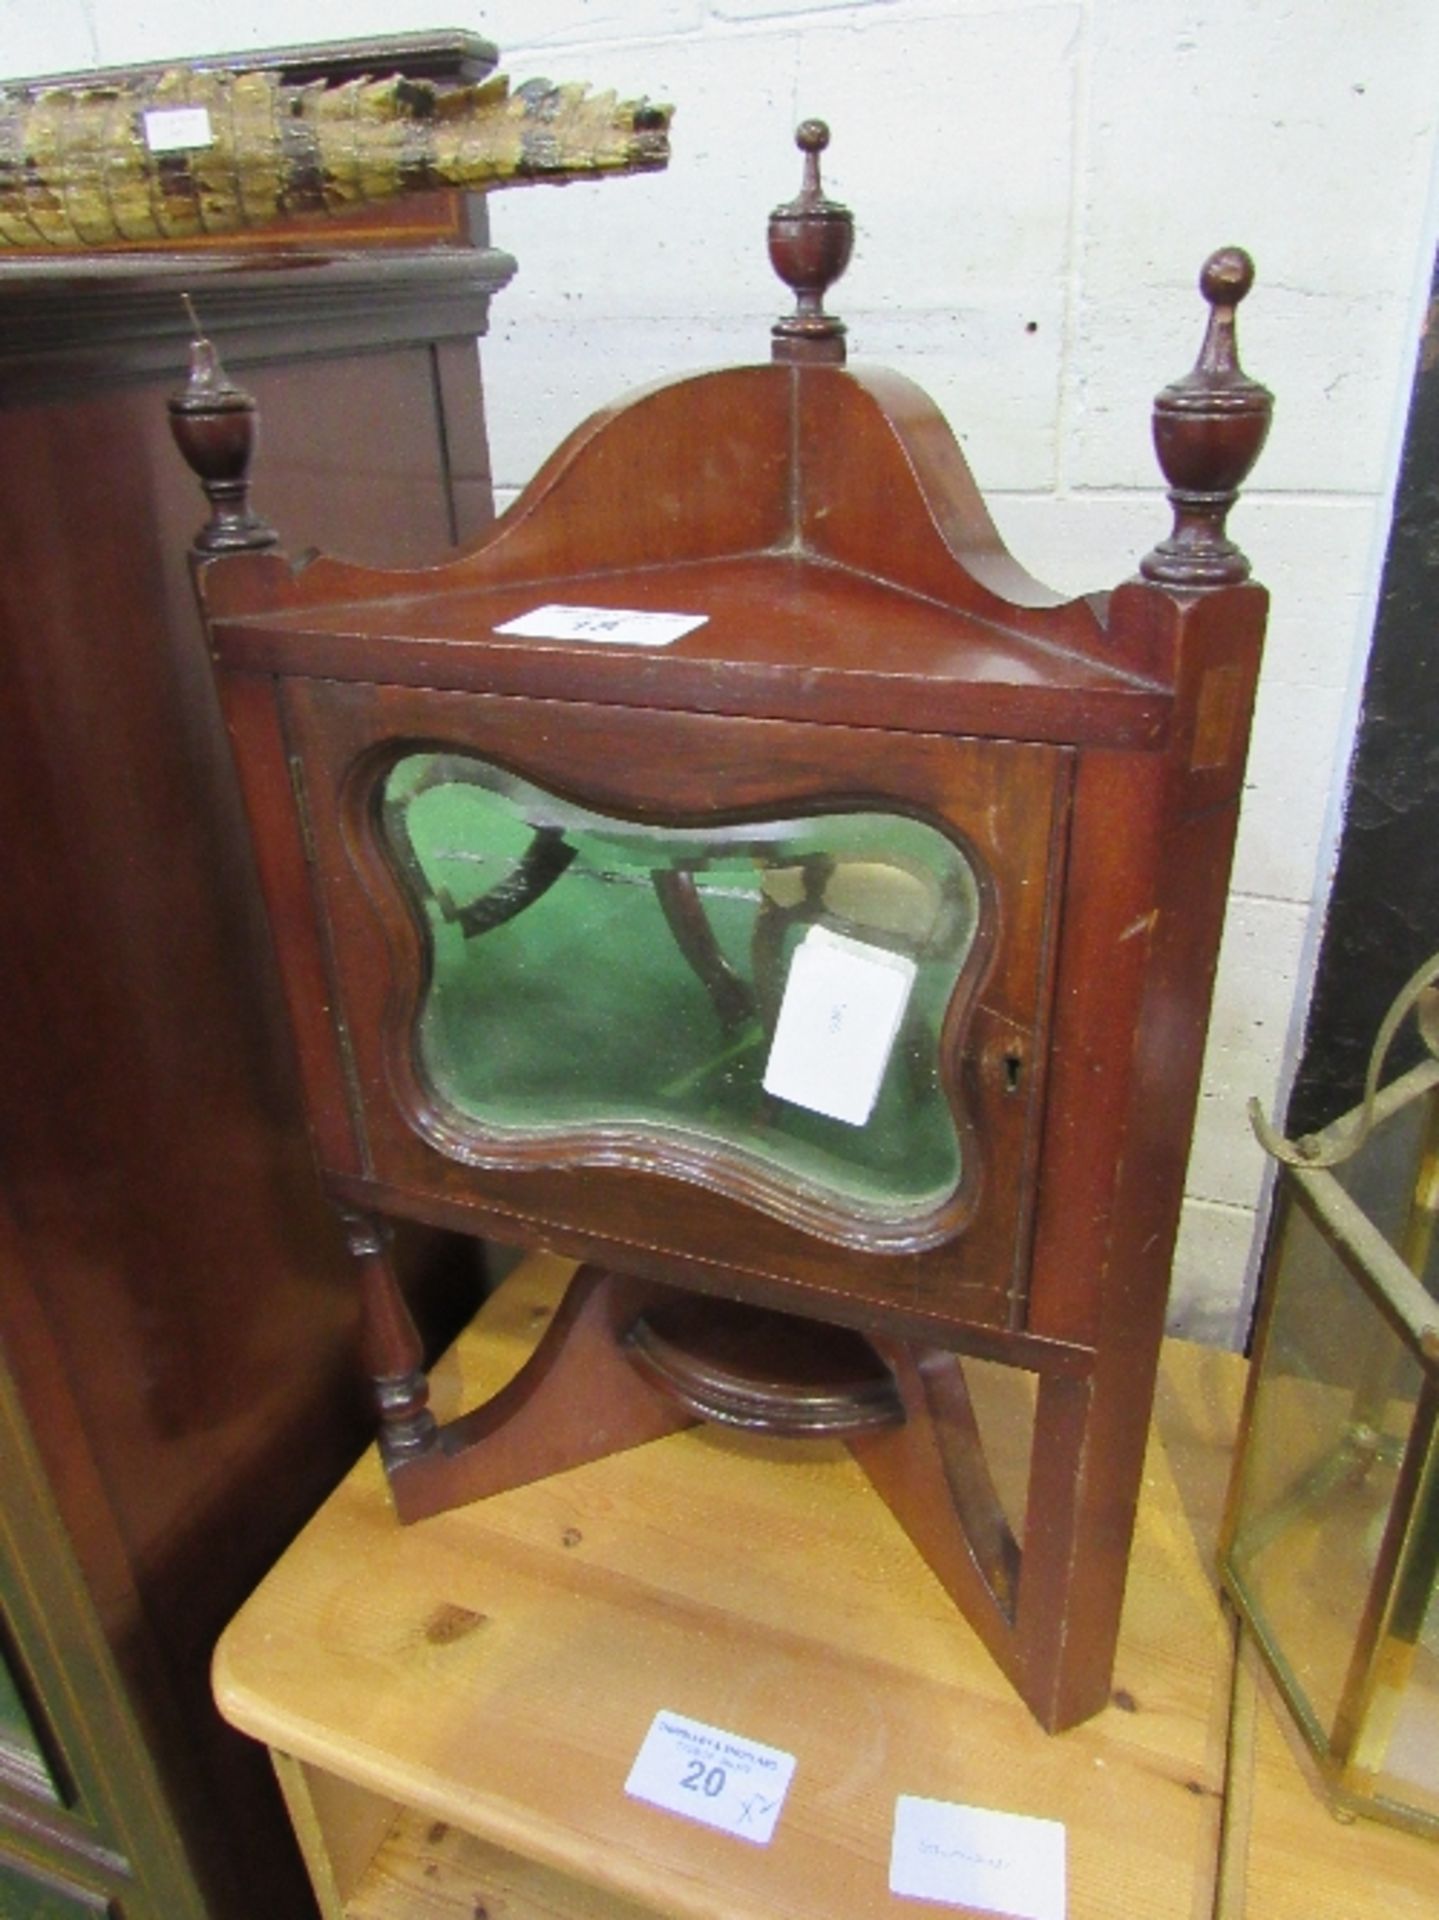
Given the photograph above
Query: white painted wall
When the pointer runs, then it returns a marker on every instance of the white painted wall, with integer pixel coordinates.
(1035, 187)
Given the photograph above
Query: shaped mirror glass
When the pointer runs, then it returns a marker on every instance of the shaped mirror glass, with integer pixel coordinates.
(772, 987)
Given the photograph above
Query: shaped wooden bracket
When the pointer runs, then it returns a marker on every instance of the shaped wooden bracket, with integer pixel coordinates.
(625, 1361)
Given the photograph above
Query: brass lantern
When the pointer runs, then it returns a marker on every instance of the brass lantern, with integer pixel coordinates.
(1331, 1541)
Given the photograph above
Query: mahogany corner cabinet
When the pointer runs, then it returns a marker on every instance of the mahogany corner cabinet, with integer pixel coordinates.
(735, 873)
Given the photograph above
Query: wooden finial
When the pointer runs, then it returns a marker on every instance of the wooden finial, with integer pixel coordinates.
(1208, 430)
(214, 427)
(810, 240)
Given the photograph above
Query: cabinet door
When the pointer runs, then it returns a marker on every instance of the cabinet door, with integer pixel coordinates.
(565, 937)
(83, 1828)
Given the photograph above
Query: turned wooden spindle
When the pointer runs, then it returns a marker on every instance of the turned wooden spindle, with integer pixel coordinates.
(810, 241)
(1209, 428)
(214, 424)
(389, 1345)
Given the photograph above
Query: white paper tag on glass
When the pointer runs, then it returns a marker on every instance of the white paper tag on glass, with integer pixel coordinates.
(177, 129)
(843, 1002)
(1003, 1863)
(610, 626)
(719, 1778)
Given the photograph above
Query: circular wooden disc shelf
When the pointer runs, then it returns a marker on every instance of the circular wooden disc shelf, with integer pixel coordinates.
(747, 1366)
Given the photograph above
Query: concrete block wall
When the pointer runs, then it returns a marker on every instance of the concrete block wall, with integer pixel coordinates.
(1035, 187)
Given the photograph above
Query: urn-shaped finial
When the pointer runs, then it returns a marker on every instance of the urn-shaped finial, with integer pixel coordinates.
(1208, 430)
(214, 424)
(810, 240)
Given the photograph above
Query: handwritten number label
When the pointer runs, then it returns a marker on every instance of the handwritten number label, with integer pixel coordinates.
(607, 626)
(178, 129)
(707, 1780)
(844, 1002)
(977, 1858)
(710, 1775)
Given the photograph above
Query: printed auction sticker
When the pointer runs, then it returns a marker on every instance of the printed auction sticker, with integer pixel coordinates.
(1003, 1863)
(609, 626)
(719, 1778)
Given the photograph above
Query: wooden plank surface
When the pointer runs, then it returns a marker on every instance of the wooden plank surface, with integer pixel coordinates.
(495, 1669)
(340, 1829)
(427, 1870)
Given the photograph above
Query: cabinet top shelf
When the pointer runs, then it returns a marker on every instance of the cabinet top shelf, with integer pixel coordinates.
(784, 637)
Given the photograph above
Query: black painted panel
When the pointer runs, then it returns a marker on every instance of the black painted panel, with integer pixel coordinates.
(1384, 913)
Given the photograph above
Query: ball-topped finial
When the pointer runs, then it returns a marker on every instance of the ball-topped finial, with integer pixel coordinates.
(810, 240)
(1209, 428)
(1226, 277)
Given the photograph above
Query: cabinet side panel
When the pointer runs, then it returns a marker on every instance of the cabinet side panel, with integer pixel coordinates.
(1109, 924)
(280, 831)
(1147, 1190)
(340, 443)
(1150, 854)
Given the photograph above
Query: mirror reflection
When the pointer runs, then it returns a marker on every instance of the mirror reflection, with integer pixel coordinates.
(774, 987)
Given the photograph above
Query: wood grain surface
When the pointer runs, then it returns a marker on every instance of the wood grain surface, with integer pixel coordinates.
(495, 1668)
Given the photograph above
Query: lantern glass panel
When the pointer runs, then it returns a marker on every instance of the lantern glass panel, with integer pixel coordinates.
(1401, 1740)
(1330, 1421)
(1334, 1532)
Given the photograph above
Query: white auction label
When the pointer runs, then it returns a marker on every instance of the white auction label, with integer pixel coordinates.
(842, 1007)
(610, 626)
(177, 129)
(1005, 1863)
(719, 1778)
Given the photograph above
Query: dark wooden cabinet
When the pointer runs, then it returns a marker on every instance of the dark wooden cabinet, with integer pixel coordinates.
(177, 1327)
